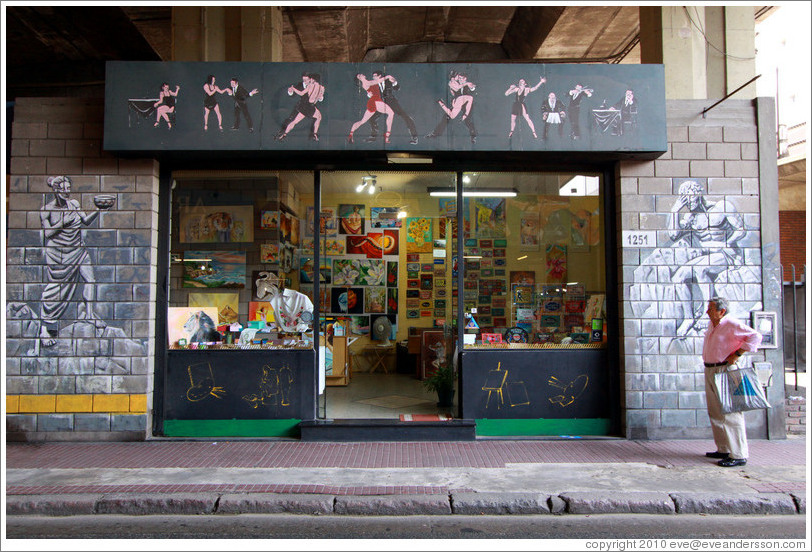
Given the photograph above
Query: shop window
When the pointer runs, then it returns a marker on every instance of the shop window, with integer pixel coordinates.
(533, 258)
(235, 275)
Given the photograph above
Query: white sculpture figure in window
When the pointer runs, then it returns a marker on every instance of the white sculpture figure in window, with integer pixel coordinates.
(293, 310)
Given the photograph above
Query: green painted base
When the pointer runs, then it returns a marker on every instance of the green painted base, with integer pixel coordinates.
(563, 428)
(232, 428)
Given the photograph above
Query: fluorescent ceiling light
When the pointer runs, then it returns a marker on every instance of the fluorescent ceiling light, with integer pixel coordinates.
(522, 257)
(472, 256)
(474, 192)
(408, 158)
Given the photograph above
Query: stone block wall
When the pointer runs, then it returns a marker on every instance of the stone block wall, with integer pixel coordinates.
(697, 210)
(90, 374)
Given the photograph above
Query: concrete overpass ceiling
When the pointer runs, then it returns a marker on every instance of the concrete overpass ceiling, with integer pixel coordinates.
(594, 32)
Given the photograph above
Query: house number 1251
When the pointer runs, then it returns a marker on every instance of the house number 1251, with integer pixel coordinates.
(638, 238)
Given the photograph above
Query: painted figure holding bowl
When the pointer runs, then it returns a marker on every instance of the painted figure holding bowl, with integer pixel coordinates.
(67, 258)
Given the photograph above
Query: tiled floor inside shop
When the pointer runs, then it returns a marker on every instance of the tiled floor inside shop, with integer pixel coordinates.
(380, 395)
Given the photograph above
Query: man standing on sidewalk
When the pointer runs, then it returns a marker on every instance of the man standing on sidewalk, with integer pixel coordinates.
(725, 342)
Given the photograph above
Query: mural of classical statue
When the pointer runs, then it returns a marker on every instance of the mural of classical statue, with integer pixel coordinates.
(68, 261)
(704, 260)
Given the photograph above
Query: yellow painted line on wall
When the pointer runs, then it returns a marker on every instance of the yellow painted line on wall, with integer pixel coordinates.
(69, 404)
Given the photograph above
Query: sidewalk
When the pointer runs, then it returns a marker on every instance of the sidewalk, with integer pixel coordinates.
(573, 476)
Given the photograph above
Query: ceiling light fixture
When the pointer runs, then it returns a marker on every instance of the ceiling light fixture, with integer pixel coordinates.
(408, 158)
(474, 192)
(522, 257)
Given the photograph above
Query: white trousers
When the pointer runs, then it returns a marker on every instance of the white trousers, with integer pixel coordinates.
(729, 431)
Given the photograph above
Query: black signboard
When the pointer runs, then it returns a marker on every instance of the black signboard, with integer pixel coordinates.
(243, 385)
(403, 107)
(523, 384)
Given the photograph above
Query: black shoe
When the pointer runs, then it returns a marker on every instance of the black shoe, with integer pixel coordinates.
(732, 462)
(235, 128)
(370, 139)
(717, 454)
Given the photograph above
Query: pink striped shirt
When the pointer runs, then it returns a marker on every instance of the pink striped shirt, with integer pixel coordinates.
(729, 335)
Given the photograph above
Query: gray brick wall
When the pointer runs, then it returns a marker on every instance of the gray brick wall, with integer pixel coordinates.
(63, 136)
(663, 290)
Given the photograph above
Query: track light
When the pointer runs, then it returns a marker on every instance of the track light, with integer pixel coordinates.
(360, 187)
(371, 189)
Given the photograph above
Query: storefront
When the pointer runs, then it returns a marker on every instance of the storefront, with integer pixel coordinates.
(267, 311)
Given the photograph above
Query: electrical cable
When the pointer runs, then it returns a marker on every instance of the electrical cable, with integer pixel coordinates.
(709, 43)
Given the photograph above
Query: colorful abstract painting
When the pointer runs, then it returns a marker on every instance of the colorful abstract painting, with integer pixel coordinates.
(556, 263)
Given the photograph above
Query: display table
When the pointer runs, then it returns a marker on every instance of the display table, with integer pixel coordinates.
(376, 355)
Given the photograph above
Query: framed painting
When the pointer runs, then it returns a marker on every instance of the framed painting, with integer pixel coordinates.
(490, 217)
(347, 300)
(227, 304)
(419, 235)
(259, 309)
(334, 246)
(384, 217)
(194, 324)
(556, 263)
(268, 253)
(529, 234)
(214, 269)
(392, 274)
(327, 222)
(375, 300)
(351, 218)
(269, 220)
(216, 224)
(433, 352)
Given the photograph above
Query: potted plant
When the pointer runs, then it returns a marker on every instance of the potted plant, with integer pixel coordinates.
(442, 382)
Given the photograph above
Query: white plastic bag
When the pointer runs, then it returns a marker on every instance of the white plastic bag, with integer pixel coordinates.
(739, 390)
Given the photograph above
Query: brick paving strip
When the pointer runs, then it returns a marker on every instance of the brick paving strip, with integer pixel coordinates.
(770, 497)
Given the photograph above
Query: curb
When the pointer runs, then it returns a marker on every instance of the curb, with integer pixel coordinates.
(464, 503)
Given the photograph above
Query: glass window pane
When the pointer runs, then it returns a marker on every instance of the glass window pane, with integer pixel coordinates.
(236, 251)
(534, 260)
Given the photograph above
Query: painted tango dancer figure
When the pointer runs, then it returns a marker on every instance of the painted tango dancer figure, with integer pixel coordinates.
(165, 104)
(241, 94)
(310, 93)
(462, 101)
(521, 90)
(388, 95)
(67, 259)
(210, 102)
(375, 104)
